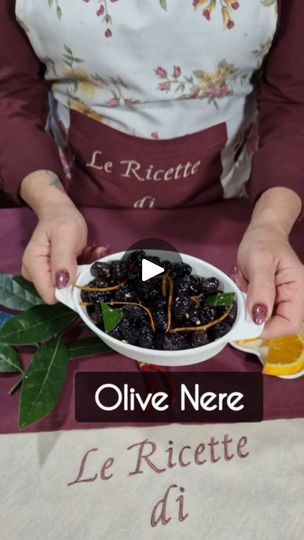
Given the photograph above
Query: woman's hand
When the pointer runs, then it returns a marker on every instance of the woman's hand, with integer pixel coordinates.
(60, 237)
(269, 270)
(50, 259)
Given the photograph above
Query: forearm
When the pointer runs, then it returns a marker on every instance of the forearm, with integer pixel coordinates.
(277, 207)
(42, 190)
(23, 108)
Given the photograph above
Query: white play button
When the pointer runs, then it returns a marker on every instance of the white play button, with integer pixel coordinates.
(150, 270)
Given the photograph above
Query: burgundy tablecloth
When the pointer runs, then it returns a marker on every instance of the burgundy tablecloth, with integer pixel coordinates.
(211, 232)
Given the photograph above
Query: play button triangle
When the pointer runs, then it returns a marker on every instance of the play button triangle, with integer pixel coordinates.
(150, 270)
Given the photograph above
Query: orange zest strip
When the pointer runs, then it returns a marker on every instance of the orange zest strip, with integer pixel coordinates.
(147, 310)
(203, 327)
(198, 298)
(97, 289)
(170, 302)
(164, 284)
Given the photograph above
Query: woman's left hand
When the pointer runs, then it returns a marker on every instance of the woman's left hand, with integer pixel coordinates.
(270, 272)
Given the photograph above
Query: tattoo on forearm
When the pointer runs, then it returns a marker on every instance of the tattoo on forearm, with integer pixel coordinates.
(55, 181)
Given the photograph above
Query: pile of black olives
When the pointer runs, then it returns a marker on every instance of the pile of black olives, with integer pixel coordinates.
(173, 311)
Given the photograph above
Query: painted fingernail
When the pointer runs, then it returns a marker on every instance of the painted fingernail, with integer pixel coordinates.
(62, 278)
(259, 313)
(234, 272)
(103, 251)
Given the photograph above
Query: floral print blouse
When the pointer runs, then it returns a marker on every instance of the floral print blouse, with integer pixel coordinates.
(158, 70)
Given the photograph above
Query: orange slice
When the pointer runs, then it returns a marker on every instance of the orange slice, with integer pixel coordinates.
(250, 343)
(285, 356)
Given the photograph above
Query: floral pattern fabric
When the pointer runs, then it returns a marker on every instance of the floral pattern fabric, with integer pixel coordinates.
(157, 69)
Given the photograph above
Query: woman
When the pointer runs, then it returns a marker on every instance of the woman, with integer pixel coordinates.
(154, 104)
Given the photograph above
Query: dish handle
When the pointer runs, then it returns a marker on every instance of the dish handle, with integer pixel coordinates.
(65, 296)
(247, 329)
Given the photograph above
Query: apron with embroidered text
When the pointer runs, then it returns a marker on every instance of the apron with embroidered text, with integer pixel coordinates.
(152, 103)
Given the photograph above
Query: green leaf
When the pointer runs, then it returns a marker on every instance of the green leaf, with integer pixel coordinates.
(14, 296)
(27, 285)
(180, 87)
(67, 63)
(188, 79)
(68, 50)
(37, 324)
(9, 361)
(43, 382)
(111, 317)
(220, 300)
(196, 90)
(199, 74)
(16, 385)
(87, 347)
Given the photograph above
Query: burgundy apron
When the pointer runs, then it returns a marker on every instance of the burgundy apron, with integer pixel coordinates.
(112, 169)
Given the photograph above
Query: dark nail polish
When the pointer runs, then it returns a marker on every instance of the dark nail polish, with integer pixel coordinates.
(62, 278)
(259, 313)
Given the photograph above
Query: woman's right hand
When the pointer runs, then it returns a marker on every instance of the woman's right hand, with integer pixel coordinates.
(50, 258)
(60, 237)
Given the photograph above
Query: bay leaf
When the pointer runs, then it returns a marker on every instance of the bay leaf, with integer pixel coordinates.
(222, 299)
(87, 347)
(9, 360)
(111, 317)
(37, 324)
(13, 296)
(43, 382)
(27, 285)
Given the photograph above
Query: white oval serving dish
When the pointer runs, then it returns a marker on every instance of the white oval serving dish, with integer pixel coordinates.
(243, 327)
